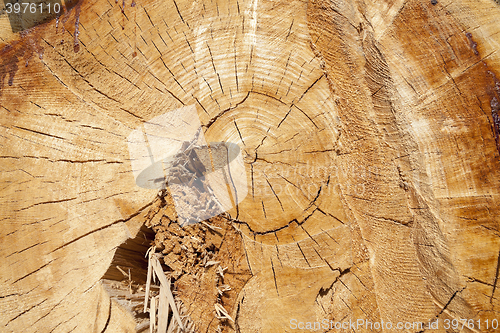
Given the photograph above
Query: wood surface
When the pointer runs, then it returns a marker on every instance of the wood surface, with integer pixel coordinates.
(369, 132)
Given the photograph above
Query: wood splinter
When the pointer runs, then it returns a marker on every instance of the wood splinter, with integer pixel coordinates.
(165, 298)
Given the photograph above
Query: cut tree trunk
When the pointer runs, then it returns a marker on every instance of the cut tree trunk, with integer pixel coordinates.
(369, 138)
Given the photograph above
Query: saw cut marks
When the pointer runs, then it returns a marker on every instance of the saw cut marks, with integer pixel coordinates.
(369, 155)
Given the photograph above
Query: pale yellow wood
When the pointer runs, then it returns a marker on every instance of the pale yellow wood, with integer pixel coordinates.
(367, 137)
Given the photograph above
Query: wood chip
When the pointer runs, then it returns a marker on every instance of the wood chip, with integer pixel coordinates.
(222, 313)
(223, 288)
(211, 263)
(163, 310)
(122, 271)
(148, 283)
(152, 315)
(163, 281)
(220, 271)
(211, 226)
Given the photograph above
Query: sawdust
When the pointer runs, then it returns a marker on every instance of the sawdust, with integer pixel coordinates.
(206, 262)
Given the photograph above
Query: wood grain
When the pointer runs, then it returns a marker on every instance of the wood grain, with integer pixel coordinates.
(367, 130)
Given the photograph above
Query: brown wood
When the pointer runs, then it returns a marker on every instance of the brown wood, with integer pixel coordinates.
(369, 132)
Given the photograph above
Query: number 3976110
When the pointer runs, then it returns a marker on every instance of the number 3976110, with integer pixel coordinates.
(470, 324)
(33, 8)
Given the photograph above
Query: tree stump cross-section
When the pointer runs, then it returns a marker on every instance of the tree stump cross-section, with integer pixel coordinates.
(368, 136)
